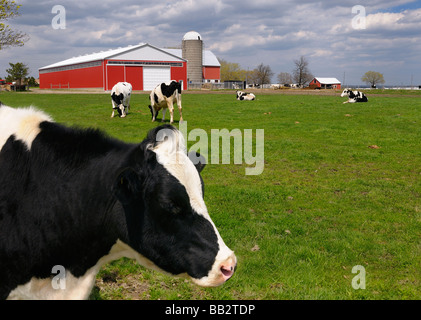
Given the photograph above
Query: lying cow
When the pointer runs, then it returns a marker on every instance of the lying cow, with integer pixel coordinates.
(120, 98)
(76, 199)
(354, 96)
(164, 96)
(245, 96)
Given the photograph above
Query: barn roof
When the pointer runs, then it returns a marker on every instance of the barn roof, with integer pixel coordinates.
(92, 57)
(148, 52)
(327, 80)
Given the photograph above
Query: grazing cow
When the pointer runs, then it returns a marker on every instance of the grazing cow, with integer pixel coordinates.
(120, 98)
(354, 96)
(245, 96)
(164, 96)
(74, 199)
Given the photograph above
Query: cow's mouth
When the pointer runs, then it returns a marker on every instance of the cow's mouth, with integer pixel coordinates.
(220, 273)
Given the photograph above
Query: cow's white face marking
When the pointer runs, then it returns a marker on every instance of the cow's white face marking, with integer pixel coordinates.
(173, 156)
(346, 92)
(22, 123)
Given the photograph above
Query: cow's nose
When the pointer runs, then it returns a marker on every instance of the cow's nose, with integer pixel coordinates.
(228, 267)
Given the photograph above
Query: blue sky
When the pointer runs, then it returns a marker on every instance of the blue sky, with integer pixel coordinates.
(247, 32)
(407, 6)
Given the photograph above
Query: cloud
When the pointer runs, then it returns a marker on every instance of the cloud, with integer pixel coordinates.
(248, 32)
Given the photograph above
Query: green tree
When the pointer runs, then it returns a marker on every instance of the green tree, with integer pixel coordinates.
(8, 37)
(32, 82)
(17, 71)
(231, 71)
(373, 78)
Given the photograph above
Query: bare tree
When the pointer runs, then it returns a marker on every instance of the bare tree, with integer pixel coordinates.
(301, 73)
(8, 37)
(262, 74)
(373, 78)
(284, 78)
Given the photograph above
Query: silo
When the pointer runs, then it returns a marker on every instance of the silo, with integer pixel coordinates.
(192, 48)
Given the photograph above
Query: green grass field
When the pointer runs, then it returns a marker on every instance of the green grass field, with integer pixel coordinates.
(340, 188)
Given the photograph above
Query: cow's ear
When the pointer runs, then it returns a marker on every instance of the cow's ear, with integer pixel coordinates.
(198, 160)
(127, 185)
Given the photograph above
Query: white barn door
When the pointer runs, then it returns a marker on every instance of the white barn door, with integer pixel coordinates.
(152, 76)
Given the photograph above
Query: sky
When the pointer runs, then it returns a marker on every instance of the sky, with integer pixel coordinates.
(341, 39)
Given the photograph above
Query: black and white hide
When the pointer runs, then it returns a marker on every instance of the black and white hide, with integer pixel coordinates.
(72, 200)
(354, 96)
(164, 96)
(120, 98)
(245, 96)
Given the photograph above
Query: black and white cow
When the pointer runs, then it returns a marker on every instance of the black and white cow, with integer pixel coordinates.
(164, 96)
(354, 96)
(77, 199)
(120, 98)
(245, 96)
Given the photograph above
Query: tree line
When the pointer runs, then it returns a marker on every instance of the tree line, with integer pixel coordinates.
(263, 74)
(300, 75)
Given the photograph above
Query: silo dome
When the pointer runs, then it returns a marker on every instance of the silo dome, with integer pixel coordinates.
(192, 35)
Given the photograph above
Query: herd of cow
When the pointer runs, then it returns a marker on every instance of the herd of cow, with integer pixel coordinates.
(77, 199)
(165, 95)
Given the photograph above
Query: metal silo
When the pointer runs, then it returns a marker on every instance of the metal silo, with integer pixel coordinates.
(192, 48)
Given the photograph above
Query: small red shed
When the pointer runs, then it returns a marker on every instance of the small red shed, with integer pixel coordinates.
(325, 83)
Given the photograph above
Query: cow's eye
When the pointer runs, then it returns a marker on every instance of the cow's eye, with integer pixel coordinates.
(172, 207)
(176, 210)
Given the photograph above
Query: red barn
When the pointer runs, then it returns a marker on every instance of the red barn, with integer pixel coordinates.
(143, 65)
(325, 83)
(211, 67)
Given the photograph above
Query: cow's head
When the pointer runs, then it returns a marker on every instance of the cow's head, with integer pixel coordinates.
(121, 111)
(167, 222)
(118, 99)
(154, 111)
(346, 92)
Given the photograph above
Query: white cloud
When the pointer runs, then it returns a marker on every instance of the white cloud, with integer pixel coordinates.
(248, 32)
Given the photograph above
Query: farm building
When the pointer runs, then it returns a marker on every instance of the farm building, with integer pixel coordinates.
(325, 83)
(143, 65)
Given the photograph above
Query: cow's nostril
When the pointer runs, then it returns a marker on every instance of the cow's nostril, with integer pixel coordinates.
(227, 271)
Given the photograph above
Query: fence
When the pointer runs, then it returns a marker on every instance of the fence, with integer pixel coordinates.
(232, 85)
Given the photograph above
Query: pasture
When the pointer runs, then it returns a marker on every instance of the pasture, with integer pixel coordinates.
(341, 188)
